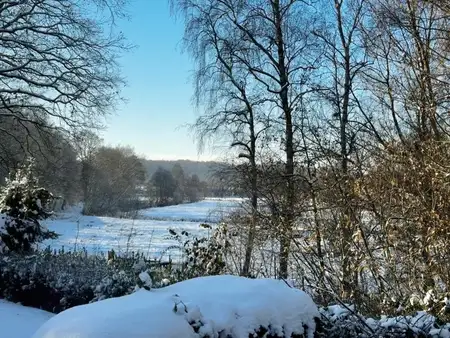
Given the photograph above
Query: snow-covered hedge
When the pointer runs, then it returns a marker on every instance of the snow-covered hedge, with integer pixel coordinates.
(58, 281)
(215, 306)
(343, 321)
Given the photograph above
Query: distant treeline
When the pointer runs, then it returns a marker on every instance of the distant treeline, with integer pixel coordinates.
(80, 168)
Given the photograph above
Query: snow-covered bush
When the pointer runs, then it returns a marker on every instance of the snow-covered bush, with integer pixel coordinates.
(202, 256)
(343, 321)
(22, 205)
(58, 281)
(119, 284)
(207, 307)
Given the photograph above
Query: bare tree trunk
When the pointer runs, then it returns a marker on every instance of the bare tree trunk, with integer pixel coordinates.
(288, 214)
(318, 233)
(254, 199)
(346, 218)
(345, 67)
(251, 231)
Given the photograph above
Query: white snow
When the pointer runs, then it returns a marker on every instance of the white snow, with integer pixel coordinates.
(334, 312)
(17, 321)
(227, 304)
(443, 332)
(208, 210)
(147, 234)
(421, 323)
(146, 279)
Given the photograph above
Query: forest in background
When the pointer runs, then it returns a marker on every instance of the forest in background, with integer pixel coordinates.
(108, 180)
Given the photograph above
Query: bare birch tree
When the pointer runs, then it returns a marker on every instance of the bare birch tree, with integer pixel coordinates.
(225, 86)
(277, 57)
(344, 61)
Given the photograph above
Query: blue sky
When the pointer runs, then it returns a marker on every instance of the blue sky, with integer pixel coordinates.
(159, 91)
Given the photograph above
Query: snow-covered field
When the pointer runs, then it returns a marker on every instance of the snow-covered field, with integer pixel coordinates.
(147, 233)
(18, 321)
(208, 210)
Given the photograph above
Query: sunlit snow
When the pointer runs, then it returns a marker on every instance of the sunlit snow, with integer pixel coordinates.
(19, 321)
(147, 233)
(233, 306)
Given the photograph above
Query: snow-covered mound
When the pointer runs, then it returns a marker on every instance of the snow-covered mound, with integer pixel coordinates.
(18, 321)
(228, 306)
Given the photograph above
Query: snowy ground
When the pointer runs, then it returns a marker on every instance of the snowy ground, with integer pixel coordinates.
(17, 321)
(208, 210)
(148, 233)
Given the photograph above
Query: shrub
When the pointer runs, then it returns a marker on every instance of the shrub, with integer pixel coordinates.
(55, 281)
(202, 256)
(344, 321)
(23, 204)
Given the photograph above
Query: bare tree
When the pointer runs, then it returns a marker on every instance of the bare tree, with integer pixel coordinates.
(114, 180)
(55, 158)
(58, 62)
(344, 61)
(408, 45)
(224, 84)
(165, 185)
(86, 144)
(274, 53)
(359, 197)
